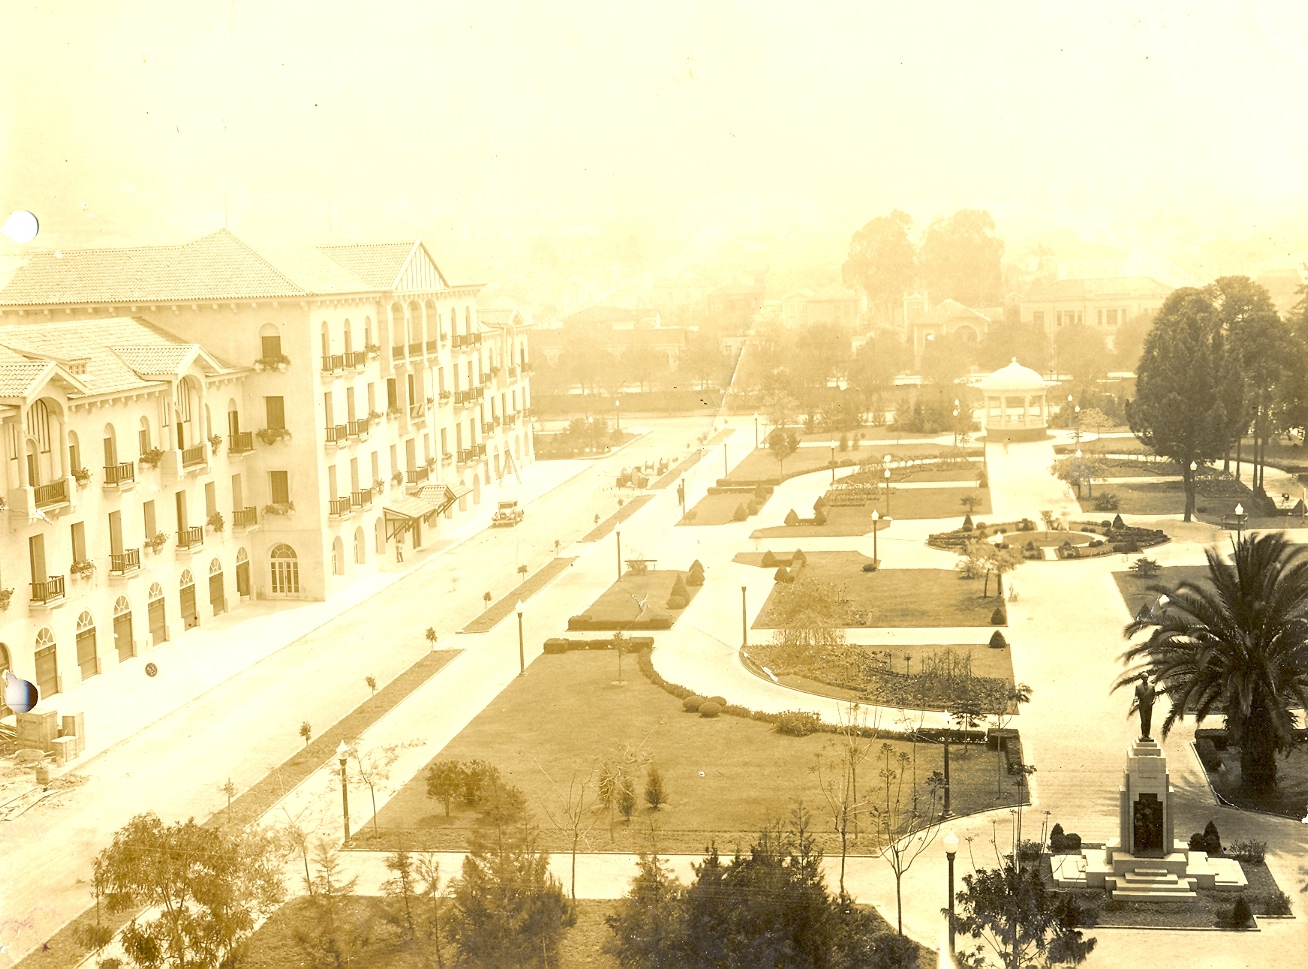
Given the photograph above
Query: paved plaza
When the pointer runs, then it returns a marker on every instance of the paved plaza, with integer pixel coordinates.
(1064, 630)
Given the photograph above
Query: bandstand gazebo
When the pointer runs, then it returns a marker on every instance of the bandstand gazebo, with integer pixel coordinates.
(1015, 405)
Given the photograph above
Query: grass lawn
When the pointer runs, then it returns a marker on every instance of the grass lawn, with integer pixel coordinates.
(911, 503)
(842, 521)
(893, 686)
(1290, 795)
(1216, 497)
(1205, 913)
(717, 509)
(618, 605)
(725, 777)
(500, 610)
(895, 597)
(760, 465)
(1135, 588)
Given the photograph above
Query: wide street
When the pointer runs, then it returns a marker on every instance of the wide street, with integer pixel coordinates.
(243, 727)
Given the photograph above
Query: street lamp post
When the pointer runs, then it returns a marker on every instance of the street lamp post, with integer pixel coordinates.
(522, 662)
(342, 753)
(955, 423)
(617, 414)
(887, 491)
(726, 470)
(755, 430)
(833, 464)
(744, 619)
(1239, 522)
(618, 533)
(1076, 415)
(876, 517)
(951, 849)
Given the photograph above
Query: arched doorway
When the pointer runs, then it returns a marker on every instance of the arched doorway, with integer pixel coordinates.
(6, 664)
(87, 660)
(123, 629)
(360, 546)
(47, 664)
(217, 590)
(242, 573)
(190, 614)
(157, 615)
(285, 568)
(338, 556)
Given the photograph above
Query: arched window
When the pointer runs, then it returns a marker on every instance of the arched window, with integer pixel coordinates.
(285, 571)
(338, 556)
(233, 418)
(326, 340)
(74, 451)
(110, 450)
(143, 439)
(190, 612)
(156, 613)
(87, 660)
(242, 572)
(360, 547)
(367, 332)
(270, 342)
(6, 663)
(349, 345)
(414, 312)
(123, 629)
(379, 538)
(217, 589)
(467, 319)
(47, 664)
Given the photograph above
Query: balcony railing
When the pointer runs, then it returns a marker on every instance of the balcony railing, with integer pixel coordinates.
(192, 537)
(466, 455)
(485, 378)
(464, 397)
(433, 346)
(475, 339)
(333, 362)
(415, 349)
(358, 428)
(513, 373)
(510, 419)
(54, 493)
(361, 499)
(356, 359)
(119, 474)
(417, 475)
(49, 590)
(337, 433)
(242, 442)
(245, 517)
(488, 427)
(338, 507)
(417, 410)
(481, 450)
(128, 560)
(193, 456)
(397, 352)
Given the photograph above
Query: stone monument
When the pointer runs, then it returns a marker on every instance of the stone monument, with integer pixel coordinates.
(1145, 862)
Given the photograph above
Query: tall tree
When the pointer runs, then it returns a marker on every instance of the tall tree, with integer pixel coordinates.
(873, 369)
(1083, 353)
(1004, 341)
(1188, 403)
(882, 263)
(1235, 645)
(1011, 913)
(207, 890)
(960, 257)
(1128, 343)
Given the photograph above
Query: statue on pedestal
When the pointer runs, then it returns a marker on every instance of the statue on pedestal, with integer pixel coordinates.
(1144, 704)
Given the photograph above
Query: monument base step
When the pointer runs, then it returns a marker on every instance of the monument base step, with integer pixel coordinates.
(1154, 895)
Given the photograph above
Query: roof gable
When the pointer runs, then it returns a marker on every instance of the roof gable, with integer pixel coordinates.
(399, 266)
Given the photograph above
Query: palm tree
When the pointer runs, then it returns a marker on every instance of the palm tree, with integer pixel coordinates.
(1234, 645)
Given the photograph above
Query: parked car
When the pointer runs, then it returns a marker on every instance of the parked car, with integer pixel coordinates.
(507, 514)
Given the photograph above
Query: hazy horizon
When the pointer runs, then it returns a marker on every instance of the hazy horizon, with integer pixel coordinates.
(479, 126)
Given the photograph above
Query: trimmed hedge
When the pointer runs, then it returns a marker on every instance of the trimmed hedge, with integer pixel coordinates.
(710, 709)
(692, 703)
(631, 644)
(585, 623)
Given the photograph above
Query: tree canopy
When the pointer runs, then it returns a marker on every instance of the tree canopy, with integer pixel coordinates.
(882, 262)
(959, 259)
(1189, 394)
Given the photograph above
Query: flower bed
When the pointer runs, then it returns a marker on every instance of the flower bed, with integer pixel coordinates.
(953, 541)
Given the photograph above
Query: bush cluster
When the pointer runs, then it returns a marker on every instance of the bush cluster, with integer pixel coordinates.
(1208, 840)
(1064, 844)
(798, 723)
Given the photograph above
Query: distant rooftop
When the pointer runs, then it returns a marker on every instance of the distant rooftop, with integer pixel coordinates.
(1124, 287)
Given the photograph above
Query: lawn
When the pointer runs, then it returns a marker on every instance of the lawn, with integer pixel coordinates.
(1135, 588)
(760, 465)
(717, 509)
(842, 521)
(725, 777)
(1217, 496)
(1290, 795)
(911, 503)
(895, 679)
(897, 598)
(637, 596)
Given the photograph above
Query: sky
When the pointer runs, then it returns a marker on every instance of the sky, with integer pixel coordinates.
(143, 121)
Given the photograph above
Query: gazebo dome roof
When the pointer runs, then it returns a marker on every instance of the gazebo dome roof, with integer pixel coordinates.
(1014, 377)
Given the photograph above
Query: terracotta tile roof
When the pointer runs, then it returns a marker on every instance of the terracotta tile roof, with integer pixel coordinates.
(377, 264)
(154, 361)
(215, 267)
(500, 317)
(17, 377)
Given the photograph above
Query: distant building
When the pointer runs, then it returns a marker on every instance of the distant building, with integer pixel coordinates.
(947, 319)
(1104, 304)
(614, 330)
(835, 303)
(683, 299)
(733, 307)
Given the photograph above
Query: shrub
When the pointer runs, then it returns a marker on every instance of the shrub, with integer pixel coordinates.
(695, 579)
(819, 517)
(1146, 567)
(696, 568)
(1029, 851)
(997, 617)
(676, 602)
(761, 493)
(1277, 905)
(741, 513)
(791, 518)
(844, 442)
(1212, 839)
(967, 523)
(692, 703)
(1106, 502)
(679, 589)
(1250, 852)
(782, 574)
(869, 566)
(769, 560)
(752, 508)
(1240, 916)
(819, 504)
(997, 640)
(556, 646)
(798, 559)
(1117, 522)
(709, 709)
(1208, 755)
(655, 795)
(983, 480)
(981, 527)
(798, 723)
(719, 700)
(1063, 844)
